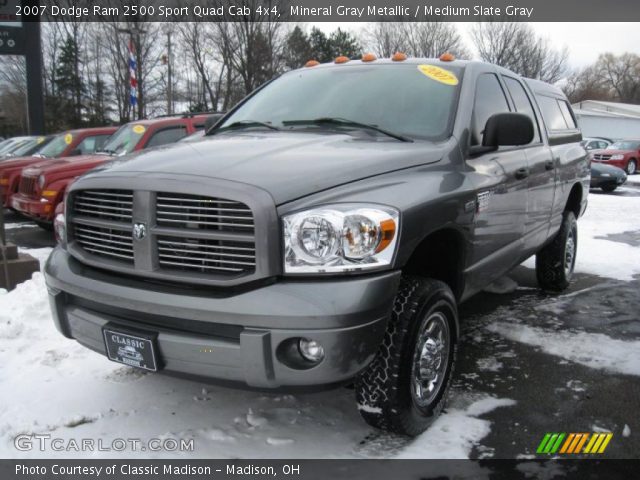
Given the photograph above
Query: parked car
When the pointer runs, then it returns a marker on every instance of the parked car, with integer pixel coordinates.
(42, 185)
(624, 154)
(606, 177)
(595, 143)
(66, 144)
(27, 148)
(326, 229)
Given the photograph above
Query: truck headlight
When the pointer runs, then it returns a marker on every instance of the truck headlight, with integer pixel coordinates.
(41, 180)
(340, 238)
(617, 156)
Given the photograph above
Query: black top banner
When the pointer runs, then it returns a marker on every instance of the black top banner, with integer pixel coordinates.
(327, 10)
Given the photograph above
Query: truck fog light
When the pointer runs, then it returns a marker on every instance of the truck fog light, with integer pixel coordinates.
(311, 350)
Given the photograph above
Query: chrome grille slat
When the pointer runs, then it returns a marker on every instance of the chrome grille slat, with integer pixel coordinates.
(218, 224)
(208, 260)
(103, 252)
(208, 215)
(107, 194)
(97, 212)
(197, 267)
(238, 210)
(163, 251)
(166, 242)
(104, 241)
(100, 239)
(108, 207)
(196, 200)
(105, 205)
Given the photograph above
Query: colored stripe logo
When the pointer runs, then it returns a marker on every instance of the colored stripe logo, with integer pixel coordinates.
(572, 443)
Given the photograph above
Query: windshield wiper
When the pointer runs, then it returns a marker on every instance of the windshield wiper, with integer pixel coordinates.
(245, 124)
(348, 123)
(107, 151)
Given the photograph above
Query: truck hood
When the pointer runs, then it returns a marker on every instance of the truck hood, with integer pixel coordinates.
(288, 165)
(58, 165)
(19, 162)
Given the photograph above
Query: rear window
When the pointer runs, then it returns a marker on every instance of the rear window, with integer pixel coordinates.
(556, 113)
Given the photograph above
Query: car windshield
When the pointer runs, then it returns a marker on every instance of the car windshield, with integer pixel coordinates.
(30, 147)
(57, 146)
(124, 140)
(626, 145)
(397, 98)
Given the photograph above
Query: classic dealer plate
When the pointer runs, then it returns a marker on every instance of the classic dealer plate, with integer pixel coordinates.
(134, 350)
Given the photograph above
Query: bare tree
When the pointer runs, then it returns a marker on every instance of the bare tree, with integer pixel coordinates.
(620, 73)
(422, 39)
(517, 47)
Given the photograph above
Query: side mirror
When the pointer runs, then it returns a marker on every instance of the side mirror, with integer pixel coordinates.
(507, 129)
(75, 153)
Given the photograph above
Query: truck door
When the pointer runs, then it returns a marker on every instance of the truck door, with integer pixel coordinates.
(542, 171)
(501, 203)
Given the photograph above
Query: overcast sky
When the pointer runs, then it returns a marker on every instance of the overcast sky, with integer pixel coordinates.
(584, 40)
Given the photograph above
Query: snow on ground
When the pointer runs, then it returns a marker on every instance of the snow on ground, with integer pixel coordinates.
(608, 214)
(55, 386)
(593, 350)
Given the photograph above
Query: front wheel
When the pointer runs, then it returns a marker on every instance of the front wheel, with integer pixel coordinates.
(556, 261)
(404, 388)
(632, 166)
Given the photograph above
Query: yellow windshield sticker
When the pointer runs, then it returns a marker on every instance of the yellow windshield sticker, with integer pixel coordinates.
(139, 129)
(40, 140)
(68, 138)
(439, 74)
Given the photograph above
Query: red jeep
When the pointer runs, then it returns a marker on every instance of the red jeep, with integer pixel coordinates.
(67, 144)
(42, 185)
(624, 154)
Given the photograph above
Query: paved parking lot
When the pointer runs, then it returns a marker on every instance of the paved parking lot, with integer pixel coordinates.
(529, 363)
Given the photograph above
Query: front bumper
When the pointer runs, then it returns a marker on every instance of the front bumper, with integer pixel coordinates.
(34, 208)
(615, 163)
(232, 338)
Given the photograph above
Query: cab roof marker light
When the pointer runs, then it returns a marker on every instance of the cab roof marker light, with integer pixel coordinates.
(341, 59)
(447, 57)
(399, 57)
(311, 63)
(369, 57)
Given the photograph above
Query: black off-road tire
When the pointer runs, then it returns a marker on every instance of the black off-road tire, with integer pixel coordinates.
(384, 389)
(552, 259)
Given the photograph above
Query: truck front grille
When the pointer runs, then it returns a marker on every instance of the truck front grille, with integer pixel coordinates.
(206, 256)
(202, 213)
(105, 242)
(28, 185)
(114, 205)
(170, 236)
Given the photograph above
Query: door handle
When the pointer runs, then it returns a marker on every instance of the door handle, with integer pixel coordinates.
(522, 173)
(549, 165)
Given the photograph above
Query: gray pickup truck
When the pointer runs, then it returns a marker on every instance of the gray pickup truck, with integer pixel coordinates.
(324, 231)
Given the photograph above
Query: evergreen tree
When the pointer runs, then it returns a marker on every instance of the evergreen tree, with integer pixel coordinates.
(297, 49)
(69, 84)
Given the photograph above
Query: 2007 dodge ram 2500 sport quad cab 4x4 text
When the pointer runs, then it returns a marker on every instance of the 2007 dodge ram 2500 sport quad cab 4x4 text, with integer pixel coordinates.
(324, 231)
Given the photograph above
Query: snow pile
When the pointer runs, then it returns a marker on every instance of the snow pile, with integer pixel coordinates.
(455, 433)
(593, 350)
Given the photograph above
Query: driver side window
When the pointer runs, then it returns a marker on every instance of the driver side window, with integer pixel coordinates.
(490, 99)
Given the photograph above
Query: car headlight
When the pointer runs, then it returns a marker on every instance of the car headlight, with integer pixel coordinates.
(41, 180)
(617, 156)
(340, 238)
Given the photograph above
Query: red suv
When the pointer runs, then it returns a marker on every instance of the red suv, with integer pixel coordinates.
(66, 144)
(42, 185)
(624, 154)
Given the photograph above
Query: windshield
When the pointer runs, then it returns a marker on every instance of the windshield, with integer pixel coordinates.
(624, 146)
(57, 146)
(398, 98)
(30, 147)
(124, 140)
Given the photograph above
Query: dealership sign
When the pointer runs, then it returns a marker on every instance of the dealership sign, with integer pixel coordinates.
(11, 31)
